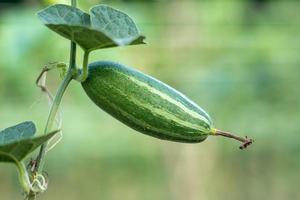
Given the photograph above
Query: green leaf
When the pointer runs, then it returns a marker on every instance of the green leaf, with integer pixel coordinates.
(105, 27)
(19, 150)
(18, 132)
(16, 142)
(116, 24)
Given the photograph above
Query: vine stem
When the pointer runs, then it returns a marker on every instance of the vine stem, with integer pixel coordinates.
(54, 108)
(38, 167)
(52, 115)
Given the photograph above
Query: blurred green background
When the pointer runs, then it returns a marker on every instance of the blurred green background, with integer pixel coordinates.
(239, 60)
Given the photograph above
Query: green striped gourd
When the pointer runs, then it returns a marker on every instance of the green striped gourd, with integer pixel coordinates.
(149, 105)
(146, 104)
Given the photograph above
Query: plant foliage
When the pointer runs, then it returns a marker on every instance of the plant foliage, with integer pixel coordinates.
(104, 27)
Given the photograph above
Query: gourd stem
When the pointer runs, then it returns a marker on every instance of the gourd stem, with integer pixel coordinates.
(54, 108)
(58, 96)
(81, 77)
(53, 111)
(57, 100)
(51, 117)
(245, 141)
